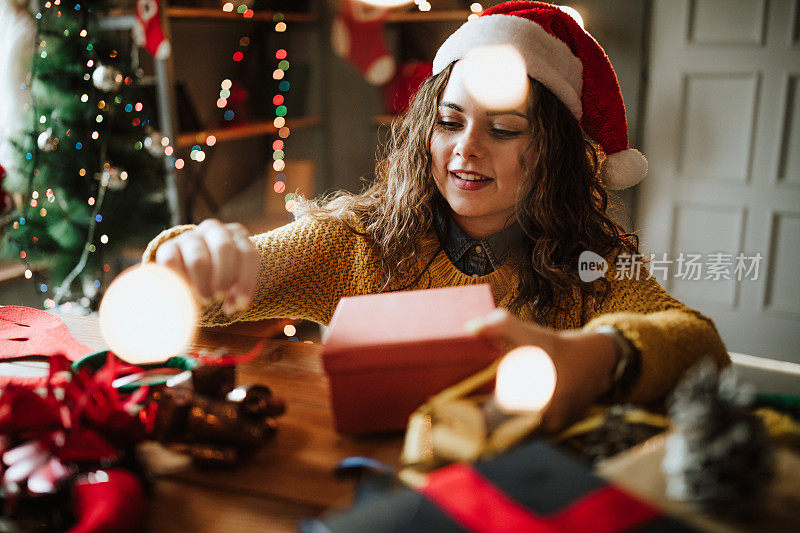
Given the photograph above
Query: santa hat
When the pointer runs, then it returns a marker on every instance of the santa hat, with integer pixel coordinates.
(568, 61)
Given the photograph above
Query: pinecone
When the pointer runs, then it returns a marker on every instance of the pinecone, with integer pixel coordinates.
(719, 457)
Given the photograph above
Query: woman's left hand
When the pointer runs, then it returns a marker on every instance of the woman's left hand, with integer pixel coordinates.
(583, 361)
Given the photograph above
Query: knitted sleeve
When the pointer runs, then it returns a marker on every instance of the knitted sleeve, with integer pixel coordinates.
(670, 336)
(305, 268)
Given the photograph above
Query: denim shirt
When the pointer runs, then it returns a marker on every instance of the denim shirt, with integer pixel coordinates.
(476, 257)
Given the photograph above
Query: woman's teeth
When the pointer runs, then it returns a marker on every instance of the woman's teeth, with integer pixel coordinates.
(470, 177)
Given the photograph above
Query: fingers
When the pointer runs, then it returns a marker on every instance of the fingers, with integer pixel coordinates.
(197, 264)
(501, 325)
(242, 290)
(218, 261)
(223, 257)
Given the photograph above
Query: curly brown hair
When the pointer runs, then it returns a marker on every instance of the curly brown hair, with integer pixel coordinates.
(561, 206)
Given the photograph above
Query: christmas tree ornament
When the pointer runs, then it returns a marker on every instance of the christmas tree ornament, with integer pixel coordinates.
(357, 35)
(112, 177)
(107, 78)
(164, 307)
(153, 142)
(719, 456)
(46, 141)
(148, 30)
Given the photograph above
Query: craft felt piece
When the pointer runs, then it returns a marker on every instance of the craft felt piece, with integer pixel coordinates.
(534, 488)
(26, 333)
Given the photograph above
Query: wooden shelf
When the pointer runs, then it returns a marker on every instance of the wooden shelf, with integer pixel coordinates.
(128, 16)
(10, 270)
(218, 14)
(245, 131)
(453, 15)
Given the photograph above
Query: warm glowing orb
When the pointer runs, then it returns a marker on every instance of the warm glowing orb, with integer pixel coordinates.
(526, 379)
(148, 314)
(496, 76)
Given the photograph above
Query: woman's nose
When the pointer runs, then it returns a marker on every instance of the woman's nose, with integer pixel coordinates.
(469, 143)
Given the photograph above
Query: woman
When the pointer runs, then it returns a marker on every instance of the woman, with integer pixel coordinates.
(471, 194)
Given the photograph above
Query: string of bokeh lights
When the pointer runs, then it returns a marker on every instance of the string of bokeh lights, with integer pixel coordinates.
(46, 142)
(197, 153)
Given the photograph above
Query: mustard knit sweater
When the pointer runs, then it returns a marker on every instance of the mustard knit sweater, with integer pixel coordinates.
(308, 265)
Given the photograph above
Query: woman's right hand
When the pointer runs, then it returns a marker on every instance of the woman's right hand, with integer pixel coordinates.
(218, 261)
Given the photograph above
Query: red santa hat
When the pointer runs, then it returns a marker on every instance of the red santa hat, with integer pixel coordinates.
(561, 55)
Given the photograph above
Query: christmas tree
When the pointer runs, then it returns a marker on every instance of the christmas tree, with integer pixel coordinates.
(85, 173)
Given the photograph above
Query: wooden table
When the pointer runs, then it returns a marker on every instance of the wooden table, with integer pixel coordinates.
(291, 477)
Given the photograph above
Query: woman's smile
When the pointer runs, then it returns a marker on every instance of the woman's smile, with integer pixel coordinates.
(469, 182)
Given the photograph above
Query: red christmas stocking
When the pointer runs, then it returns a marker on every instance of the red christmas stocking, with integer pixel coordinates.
(400, 90)
(357, 35)
(148, 31)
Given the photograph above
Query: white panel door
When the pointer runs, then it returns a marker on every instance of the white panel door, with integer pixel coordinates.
(720, 209)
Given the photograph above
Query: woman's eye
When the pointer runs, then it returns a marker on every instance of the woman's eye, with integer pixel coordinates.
(448, 124)
(505, 133)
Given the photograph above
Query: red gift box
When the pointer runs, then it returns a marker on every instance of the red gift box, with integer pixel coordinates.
(386, 354)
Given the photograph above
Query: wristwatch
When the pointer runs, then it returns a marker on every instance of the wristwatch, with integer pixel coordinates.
(626, 372)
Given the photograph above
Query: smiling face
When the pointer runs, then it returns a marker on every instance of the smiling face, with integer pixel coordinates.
(477, 158)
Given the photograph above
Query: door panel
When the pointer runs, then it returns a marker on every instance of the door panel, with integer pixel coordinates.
(722, 135)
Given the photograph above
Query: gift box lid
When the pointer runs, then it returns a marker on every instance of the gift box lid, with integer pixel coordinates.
(417, 324)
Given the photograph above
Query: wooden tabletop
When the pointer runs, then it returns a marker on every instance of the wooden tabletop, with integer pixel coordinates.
(291, 476)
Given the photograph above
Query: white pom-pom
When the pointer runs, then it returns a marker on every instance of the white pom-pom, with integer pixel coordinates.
(623, 169)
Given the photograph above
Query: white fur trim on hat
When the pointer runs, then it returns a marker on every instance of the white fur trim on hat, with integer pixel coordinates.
(623, 169)
(547, 59)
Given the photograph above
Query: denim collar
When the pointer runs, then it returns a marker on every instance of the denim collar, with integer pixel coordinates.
(456, 242)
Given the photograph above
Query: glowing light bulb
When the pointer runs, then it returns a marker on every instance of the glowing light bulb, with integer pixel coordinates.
(526, 379)
(496, 76)
(289, 330)
(148, 314)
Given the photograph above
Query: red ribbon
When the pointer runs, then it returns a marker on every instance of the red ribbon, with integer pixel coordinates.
(479, 506)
